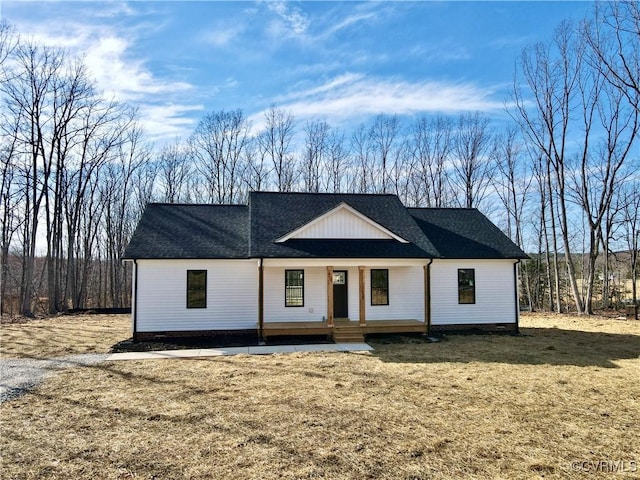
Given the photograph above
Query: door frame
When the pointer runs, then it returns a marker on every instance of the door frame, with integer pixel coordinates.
(346, 288)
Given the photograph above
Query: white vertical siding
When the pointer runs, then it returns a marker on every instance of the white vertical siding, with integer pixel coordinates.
(232, 295)
(342, 224)
(495, 294)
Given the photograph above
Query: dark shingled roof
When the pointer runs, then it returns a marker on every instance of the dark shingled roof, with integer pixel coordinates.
(273, 215)
(464, 233)
(191, 231)
(239, 231)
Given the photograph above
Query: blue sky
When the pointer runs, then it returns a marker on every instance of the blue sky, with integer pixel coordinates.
(341, 62)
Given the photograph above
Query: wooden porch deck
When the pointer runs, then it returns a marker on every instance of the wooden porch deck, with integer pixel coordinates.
(271, 329)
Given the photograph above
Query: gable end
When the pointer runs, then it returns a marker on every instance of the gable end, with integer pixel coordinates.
(344, 219)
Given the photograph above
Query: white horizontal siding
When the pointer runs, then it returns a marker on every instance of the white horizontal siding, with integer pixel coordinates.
(342, 224)
(232, 300)
(315, 296)
(232, 295)
(495, 301)
(406, 294)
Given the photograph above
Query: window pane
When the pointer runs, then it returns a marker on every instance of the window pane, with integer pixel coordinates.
(466, 285)
(196, 289)
(294, 288)
(380, 287)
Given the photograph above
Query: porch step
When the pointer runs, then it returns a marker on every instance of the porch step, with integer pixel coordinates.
(348, 333)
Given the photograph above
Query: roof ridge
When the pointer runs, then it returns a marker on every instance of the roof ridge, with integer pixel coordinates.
(442, 208)
(326, 194)
(208, 205)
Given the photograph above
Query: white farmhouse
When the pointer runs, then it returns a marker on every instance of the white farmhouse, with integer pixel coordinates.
(344, 265)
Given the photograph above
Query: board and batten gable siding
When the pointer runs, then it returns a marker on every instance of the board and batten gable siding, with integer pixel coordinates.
(494, 293)
(342, 224)
(406, 294)
(232, 295)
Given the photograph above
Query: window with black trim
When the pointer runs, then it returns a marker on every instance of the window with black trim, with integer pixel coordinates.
(466, 285)
(379, 287)
(196, 289)
(294, 288)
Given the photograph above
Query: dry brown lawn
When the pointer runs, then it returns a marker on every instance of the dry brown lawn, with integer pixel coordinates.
(64, 335)
(491, 406)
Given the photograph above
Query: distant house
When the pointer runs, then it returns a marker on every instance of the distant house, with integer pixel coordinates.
(344, 265)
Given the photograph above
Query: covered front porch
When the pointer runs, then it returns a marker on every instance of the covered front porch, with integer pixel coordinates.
(346, 300)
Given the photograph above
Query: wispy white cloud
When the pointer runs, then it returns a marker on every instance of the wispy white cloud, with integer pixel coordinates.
(107, 53)
(112, 9)
(352, 96)
(164, 122)
(446, 51)
(126, 78)
(348, 21)
(222, 35)
(331, 85)
(291, 21)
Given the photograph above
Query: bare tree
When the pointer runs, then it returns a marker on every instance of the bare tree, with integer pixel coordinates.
(384, 141)
(10, 198)
(174, 171)
(431, 146)
(337, 163)
(614, 40)
(103, 128)
(315, 153)
(631, 222)
(218, 145)
(401, 173)
(551, 74)
(8, 42)
(8, 193)
(473, 169)
(364, 178)
(123, 196)
(602, 168)
(31, 94)
(513, 184)
(274, 143)
(514, 181)
(257, 173)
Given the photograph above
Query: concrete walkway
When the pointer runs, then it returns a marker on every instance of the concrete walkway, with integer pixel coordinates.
(254, 350)
(19, 375)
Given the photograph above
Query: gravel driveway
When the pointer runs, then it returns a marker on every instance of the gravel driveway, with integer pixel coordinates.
(19, 375)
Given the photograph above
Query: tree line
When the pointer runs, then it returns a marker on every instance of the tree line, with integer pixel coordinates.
(561, 178)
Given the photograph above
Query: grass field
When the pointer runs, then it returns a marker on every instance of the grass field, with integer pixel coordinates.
(491, 406)
(64, 335)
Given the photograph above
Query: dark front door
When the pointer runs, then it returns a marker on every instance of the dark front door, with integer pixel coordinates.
(340, 309)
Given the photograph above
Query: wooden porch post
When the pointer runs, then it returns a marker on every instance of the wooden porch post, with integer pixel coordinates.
(427, 296)
(361, 296)
(330, 296)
